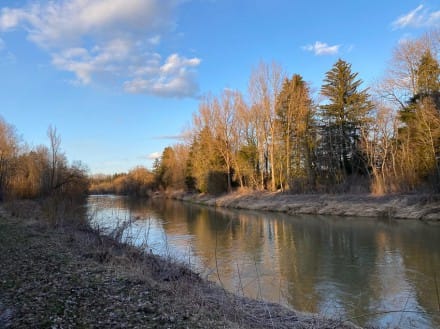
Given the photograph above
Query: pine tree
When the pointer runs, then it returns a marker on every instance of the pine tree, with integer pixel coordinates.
(345, 114)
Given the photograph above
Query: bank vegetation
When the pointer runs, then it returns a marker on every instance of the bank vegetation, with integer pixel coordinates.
(345, 139)
(40, 173)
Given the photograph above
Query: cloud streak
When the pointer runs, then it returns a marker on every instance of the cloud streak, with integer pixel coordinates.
(109, 41)
(417, 18)
(182, 136)
(321, 48)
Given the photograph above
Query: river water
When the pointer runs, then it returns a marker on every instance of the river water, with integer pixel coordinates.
(380, 273)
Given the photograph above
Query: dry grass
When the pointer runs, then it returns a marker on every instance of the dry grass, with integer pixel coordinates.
(399, 206)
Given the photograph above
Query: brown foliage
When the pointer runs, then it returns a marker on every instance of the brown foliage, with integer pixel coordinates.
(37, 172)
(137, 182)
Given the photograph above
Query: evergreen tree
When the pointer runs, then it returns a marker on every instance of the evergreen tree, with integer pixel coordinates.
(428, 75)
(345, 114)
(420, 130)
(295, 123)
(427, 86)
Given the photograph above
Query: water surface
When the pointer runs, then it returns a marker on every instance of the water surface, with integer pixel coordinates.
(381, 273)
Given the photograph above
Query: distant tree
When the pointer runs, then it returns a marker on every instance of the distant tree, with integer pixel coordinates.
(345, 114)
(9, 149)
(38, 172)
(32, 168)
(138, 182)
(170, 169)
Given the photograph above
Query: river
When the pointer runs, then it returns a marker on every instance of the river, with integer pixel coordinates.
(381, 273)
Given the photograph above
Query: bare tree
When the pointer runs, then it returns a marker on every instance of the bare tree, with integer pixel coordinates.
(9, 148)
(400, 81)
(223, 116)
(378, 141)
(264, 87)
(54, 149)
(412, 88)
(247, 157)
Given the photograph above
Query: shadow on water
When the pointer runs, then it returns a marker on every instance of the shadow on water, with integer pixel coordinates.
(360, 269)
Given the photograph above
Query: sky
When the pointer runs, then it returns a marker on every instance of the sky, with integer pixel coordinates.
(121, 79)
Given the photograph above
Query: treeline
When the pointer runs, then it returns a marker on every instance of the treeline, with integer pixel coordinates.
(346, 139)
(137, 182)
(39, 172)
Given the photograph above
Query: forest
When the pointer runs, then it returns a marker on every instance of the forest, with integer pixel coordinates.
(346, 139)
(279, 136)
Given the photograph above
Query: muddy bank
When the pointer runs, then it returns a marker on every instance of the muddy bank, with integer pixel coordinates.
(421, 207)
(71, 277)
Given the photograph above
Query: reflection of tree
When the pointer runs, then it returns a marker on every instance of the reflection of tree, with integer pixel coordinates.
(420, 247)
(333, 266)
(298, 263)
(347, 262)
(229, 238)
(390, 286)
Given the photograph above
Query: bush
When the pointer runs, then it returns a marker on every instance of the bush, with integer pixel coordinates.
(217, 182)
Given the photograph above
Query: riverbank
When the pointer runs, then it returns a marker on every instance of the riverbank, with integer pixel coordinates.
(69, 276)
(420, 207)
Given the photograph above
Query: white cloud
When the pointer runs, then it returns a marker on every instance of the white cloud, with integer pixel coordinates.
(108, 59)
(176, 77)
(67, 22)
(11, 18)
(322, 48)
(105, 41)
(154, 156)
(418, 17)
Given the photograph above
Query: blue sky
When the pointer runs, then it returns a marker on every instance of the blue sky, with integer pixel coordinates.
(120, 78)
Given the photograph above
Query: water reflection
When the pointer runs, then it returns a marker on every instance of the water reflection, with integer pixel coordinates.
(360, 269)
